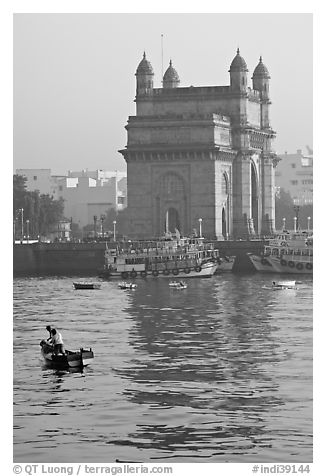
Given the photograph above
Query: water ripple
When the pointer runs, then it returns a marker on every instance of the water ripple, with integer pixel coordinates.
(219, 372)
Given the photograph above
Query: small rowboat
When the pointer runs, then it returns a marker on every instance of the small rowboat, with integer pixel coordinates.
(178, 285)
(283, 285)
(74, 359)
(173, 284)
(124, 285)
(85, 285)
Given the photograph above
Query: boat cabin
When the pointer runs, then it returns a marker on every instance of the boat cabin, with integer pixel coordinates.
(300, 239)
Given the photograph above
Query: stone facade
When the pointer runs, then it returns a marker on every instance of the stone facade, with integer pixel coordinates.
(201, 153)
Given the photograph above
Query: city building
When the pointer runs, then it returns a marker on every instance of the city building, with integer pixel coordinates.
(85, 193)
(41, 180)
(61, 231)
(86, 197)
(201, 157)
(97, 174)
(294, 174)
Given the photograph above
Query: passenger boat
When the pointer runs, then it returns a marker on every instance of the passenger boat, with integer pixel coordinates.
(287, 253)
(125, 285)
(173, 255)
(74, 359)
(85, 285)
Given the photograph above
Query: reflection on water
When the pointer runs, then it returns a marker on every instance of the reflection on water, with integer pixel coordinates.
(220, 371)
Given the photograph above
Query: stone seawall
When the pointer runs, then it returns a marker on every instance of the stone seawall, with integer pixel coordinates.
(83, 259)
(58, 259)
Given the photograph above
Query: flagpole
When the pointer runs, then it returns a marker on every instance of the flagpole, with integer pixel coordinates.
(162, 55)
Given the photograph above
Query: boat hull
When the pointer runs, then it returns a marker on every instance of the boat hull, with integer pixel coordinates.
(86, 285)
(179, 286)
(225, 264)
(70, 359)
(206, 270)
(283, 265)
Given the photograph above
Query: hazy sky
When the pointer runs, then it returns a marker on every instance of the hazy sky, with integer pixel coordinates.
(74, 76)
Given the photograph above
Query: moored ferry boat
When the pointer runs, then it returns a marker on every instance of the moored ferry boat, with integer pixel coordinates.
(290, 253)
(172, 256)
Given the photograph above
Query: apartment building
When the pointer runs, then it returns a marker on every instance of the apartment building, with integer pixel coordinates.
(85, 197)
(41, 180)
(294, 173)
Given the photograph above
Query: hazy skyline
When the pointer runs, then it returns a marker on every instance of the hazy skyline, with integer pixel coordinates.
(74, 76)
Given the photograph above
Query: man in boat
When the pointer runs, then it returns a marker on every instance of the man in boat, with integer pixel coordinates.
(57, 342)
(48, 328)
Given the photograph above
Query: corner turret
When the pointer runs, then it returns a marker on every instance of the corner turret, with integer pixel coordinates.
(145, 76)
(260, 80)
(238, 73)
(171, 77)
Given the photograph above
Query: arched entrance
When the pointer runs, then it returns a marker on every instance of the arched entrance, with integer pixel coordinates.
(171, 212)
(224, 228)
(254, 198)
(172, 220)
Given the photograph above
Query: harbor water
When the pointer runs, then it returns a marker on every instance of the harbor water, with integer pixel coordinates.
(218, 372)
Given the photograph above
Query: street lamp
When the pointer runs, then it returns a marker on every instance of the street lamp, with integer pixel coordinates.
(200, 230)
(284, 221)
(95, 220)
(295, 219)
(102, 221)
(308, 220)
(22, 221)
(296, 211)
(114, 223)
(27, 230)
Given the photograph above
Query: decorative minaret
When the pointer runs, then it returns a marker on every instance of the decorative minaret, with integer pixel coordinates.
(260, 82)
(268, 162)
(145, 76)
(171, 77)
(242, 177)
(238, 74)
(260, 79)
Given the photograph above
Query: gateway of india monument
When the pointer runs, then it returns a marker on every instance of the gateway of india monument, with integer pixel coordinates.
(200, 158)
